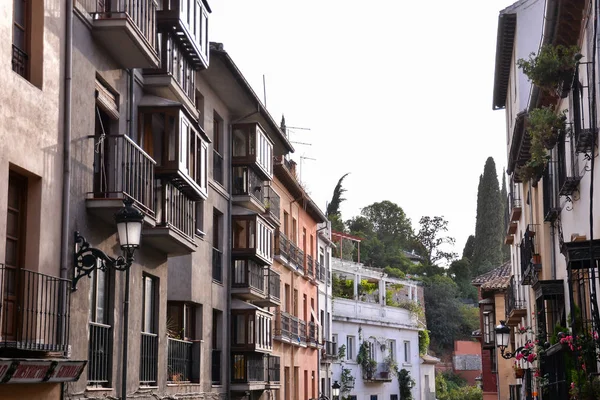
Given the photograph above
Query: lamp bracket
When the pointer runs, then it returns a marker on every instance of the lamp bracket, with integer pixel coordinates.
(87, 259)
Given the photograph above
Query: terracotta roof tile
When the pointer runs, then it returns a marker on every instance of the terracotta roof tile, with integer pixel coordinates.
(496, 279)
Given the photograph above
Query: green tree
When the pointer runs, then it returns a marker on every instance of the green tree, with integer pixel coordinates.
(505, 211)
(430, 237)
(460, 272)
(442, 312)
(390, 223)
(488, 227)
(469, 248)
(333, 208)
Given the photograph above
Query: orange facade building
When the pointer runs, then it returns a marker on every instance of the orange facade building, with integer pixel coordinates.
(297, 329)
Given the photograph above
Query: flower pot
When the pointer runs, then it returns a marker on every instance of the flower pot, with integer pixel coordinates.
(519, 373)
(550, 141)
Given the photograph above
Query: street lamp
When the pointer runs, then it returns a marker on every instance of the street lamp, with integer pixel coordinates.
(129, 229)
(88, 259)
(502, 339)
(335, 390)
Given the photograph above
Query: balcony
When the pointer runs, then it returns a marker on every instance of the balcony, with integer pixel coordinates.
(514, 204)
(516, 307)
(148, 359)
(175, 226)
(272, 205)
(248, 280)
(380, 375)
(252, 147)
(99, 354)
(252, 238)
(309, 267)
(252, 371)
(530, 260)
(189, 21)
(329, 352)
(250, 328)
(288, 254)
(302, 332)
(121, 169)
(127, 30)
(216, 367)
(32, 319)
(283, 327)
(217, 265)
(273, 293)
(248, 190)
(551, 200)
(313, 335)
(179, 360)
(175, 79)
(179, 144)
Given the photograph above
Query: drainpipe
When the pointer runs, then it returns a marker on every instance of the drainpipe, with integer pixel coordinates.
(128, 271)
(66, 184)
(229, 246)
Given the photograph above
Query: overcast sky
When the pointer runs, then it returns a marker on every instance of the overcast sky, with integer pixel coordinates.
(398, 93)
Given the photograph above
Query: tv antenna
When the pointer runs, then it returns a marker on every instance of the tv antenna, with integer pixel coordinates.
(302, 158)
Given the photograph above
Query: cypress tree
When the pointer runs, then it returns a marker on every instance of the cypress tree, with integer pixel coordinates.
(505, 211)
(489, 227)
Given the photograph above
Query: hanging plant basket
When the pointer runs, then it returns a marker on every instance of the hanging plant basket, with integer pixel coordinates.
(519, 373)
(552, 68)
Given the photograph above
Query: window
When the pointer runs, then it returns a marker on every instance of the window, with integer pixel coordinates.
(100, 333)
(286, 217)
(373, 397)
(294, 231)
(352, 397)
(393, 397)
(200, 107)
(149, 339)
(493, 360)
(350, 347)
(392, 349)
(253, 234)
(181, 329)
(488, 327)
(21, 37)
(334, 338)
(407, 352)
(181, 320)
(216, 243)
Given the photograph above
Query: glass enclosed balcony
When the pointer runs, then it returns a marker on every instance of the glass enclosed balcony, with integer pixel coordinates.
(252, 237)
(179, 147)
(252, 147)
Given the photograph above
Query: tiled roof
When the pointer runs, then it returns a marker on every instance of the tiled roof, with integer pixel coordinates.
(496, 279)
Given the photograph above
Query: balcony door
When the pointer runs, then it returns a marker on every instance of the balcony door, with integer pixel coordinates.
(15, 245)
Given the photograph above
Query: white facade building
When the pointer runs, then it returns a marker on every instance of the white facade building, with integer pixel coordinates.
(370, 307)
(325, 302)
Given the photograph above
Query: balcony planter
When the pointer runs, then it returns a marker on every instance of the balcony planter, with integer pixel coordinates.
(544, 126)
(552, 68)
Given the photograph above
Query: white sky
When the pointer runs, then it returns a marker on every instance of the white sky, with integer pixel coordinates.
(398, 93)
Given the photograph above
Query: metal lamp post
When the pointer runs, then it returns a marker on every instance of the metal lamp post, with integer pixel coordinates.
(502, 339)
(88, 259)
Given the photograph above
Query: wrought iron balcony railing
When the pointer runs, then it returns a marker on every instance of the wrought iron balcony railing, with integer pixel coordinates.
(247, 367)
(530, 259)
(176, 210)
(218, 167)
(329, 350)
(274, 280)
(302, 331)
(99, 354)
(283, 325)
(514, 300)
(179, 360)
(32, 315)
(216, 367)
(248, 274)
(217, 265)
(313, 333)
(20, 62)
(309, 266)
(273, 374)
(149, 359)
(122, 168)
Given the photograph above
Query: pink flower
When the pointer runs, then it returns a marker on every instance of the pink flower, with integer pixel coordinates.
(531, 358)
(519, 356)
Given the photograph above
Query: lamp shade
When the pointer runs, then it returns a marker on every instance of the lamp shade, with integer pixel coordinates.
(129, 225)
(502, 335)
(335, 389)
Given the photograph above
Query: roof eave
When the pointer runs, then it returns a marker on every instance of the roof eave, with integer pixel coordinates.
(504, 49)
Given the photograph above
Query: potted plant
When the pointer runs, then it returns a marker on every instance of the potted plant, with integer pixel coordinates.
(552, 68)
(368, 365)
(545, 126)
(389, 366)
